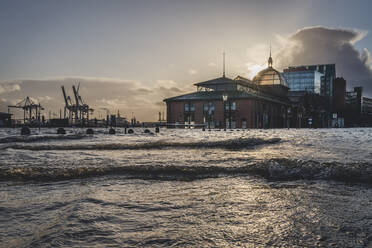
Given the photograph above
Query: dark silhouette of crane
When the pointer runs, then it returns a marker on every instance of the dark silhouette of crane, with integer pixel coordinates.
(31, 111)
(78, 112)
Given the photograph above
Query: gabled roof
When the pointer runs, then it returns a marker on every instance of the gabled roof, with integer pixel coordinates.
(220, 80)
(217, 95)
(245, 81)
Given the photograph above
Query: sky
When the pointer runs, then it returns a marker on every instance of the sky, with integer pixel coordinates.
(130, 55)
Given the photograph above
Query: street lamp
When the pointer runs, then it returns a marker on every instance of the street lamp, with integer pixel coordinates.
(224, 99)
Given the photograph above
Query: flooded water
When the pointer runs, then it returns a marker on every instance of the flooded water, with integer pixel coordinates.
(188, 188)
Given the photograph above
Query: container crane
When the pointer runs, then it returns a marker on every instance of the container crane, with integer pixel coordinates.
(31, 110)
(78, 112)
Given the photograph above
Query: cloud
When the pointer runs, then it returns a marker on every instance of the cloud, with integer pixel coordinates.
(166, 83)
(45, 98)
(161, 104)
(253, 69)
(322, 45)
(9, 87)
(192, 72)
(144, 99)
(256, 53)
(144, 91)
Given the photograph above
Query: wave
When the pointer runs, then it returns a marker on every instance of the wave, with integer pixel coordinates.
(30, 139)
(273, 169)
(239, 143)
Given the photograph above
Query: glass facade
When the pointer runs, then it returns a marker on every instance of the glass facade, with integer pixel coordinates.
(269, 76)
(307, 80)
(328, 72)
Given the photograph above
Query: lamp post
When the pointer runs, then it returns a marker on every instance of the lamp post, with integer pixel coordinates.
(224, 99)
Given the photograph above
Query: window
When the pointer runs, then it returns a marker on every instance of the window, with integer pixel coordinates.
(192, 107)
(189, 107)
(208, 107)
(230, 106)
(233, 106)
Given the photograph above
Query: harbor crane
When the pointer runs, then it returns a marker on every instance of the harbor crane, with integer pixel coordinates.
(78, 112)
(31, 110)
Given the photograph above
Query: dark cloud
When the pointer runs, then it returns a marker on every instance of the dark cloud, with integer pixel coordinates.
(320, 45)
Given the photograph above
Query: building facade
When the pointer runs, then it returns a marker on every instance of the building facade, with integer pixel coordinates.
(300, 79)
(367, 106)
(353, 107)
(339, 95)
(328, 72)
(233, 103)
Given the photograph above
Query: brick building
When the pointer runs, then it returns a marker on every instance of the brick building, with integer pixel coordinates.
(233, 103)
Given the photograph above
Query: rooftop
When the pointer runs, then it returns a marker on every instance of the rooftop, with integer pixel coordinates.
(217, 95)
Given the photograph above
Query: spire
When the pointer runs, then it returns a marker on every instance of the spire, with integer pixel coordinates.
(270, 61)
(223, 75)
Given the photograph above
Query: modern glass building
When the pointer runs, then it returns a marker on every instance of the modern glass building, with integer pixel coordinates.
(329, 74)
(303, 80)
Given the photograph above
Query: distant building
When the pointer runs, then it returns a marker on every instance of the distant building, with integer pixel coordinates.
(354, 99)
(366, 116)
(301, 79)
(233, 103)
(326, 82)
(339, 95)
(300, 97)
(308, 110)
(353, 107)
(339, 104)
(367, 106)
(328, 71)
(5, 119)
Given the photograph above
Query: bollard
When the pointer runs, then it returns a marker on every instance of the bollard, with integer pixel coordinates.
(25, 131)
(203, 129)
(125, 130)
(89, 131)
(61, 130)
(112, 131)
(130, 131)
(157, 130)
